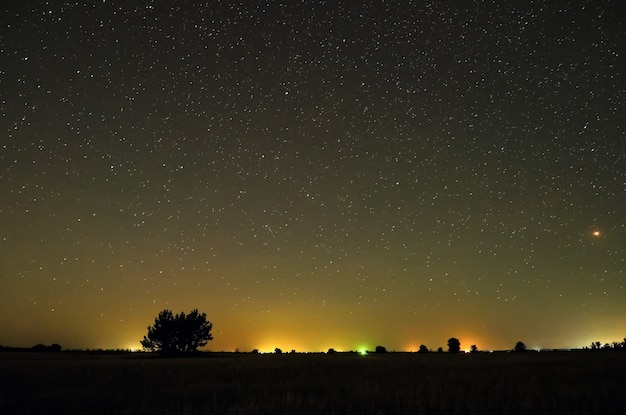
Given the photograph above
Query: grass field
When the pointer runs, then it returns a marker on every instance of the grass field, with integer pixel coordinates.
(392, 383)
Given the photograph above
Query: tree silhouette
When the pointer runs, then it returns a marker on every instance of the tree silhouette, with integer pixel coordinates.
(474, 348)
(43, 348)
(520, 347)
(454, 345)
(380, 349)
(180, 333)
(422, 349)
(278, 351)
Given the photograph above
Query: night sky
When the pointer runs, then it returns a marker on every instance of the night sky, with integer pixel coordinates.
(312, 174)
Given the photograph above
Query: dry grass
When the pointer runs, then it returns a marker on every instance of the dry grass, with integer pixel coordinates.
(531, 383)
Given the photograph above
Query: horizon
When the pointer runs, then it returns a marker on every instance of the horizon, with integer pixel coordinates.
(286, 344)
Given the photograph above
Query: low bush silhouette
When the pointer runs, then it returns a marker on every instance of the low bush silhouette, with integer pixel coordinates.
(43, 348)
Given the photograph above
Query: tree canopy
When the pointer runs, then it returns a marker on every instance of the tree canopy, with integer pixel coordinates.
(454, 345)
(180, 333)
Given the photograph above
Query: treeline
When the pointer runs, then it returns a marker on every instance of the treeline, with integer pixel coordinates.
(454, 346)
(53, 348)
(607, 346)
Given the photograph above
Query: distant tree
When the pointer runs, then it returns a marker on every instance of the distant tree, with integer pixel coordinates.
(422, 349)
(176, 334)
(255, 351)
(454, 345)
(43, 348)
(596, 345)
(277, 351)
(331, 351)
(520, 347)
(473, 349)
(440, 349)
(39, 348)
(380, 349)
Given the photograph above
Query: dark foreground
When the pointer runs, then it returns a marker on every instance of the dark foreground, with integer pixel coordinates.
(531, 383)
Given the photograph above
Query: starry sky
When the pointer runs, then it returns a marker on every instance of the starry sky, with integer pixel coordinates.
(313, 174)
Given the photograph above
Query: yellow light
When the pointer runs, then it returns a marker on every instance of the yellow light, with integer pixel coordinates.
(133, 347)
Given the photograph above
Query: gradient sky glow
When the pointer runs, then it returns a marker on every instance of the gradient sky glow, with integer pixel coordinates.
(312, 174)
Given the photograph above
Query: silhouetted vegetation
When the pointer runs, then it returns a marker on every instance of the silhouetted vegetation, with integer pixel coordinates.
(454, 345)
(178, 334)
(278, 351)
(474, 349)
(596, 346)
(38, 348)
(53, 348)
(520, 347)
(422, 349)
(380, 349)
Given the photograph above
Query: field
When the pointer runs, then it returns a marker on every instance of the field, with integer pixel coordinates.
(391, 383)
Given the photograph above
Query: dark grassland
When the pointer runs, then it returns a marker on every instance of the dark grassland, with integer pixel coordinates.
(394, 383)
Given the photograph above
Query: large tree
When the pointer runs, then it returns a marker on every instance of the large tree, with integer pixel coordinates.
(520, 347)
(180, 333)
(454, 345)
